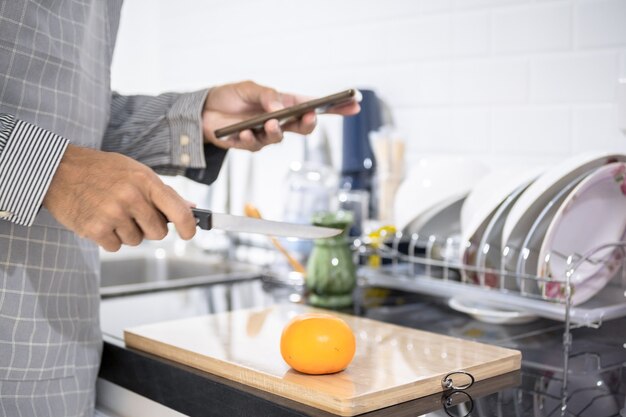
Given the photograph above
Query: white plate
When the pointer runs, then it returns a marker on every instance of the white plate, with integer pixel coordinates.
(593, 214)
(443, 220)
(539, 195)
(432, 182)
(479, 208)
(441, 226)
(489, 193)
(489, 314)
(488, 260)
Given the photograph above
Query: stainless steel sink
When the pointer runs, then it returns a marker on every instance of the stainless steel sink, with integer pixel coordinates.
(146, 272)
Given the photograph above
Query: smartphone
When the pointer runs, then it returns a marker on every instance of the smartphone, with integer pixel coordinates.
(289, 114)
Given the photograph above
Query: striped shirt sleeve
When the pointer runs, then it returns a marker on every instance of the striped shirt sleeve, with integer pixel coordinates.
(165, 133)
(29, 157)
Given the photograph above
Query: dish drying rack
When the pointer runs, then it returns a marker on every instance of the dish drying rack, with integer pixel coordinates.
(427, 269)
(430, 266)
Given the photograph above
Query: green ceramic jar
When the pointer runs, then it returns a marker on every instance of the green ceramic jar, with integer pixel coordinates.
(331, 273)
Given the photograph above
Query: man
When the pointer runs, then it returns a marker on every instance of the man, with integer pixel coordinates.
(74, 175)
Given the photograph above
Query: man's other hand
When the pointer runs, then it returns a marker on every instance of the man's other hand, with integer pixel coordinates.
(114, 200)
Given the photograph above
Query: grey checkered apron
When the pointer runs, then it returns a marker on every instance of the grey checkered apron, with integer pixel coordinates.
(54, 72)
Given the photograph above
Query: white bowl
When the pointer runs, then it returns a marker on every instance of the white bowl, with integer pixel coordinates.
(432, 182)
(592, 215)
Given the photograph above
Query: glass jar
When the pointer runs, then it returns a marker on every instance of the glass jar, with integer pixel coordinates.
(331, 272)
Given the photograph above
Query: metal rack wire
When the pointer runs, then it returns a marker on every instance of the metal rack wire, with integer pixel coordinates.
(423, 270)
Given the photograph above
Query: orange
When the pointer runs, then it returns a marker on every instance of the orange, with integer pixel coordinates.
(316, 343)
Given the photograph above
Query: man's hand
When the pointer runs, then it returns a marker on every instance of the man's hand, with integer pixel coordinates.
(114, 200)
(233, 103)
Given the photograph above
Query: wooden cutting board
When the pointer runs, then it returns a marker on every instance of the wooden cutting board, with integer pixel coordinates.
(392, 364)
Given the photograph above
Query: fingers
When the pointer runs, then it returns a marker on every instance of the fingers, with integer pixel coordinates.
(273, 132)
(175, 209)
(129, 233)
(114, 200)
(151, 221)
(254, 141)
(304, 125)
(249, 141)
(143, 220)
(103, 234)
(110, 242)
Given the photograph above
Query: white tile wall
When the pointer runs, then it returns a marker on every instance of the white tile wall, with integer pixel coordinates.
(425, 37)
(465, 4)
(434, 6)
(499, 80)
(486, 81)
(471, 33)
(622, 67)
(533, 28)
(531, 129)
(600, 23)
(592, 128)
(574, 78)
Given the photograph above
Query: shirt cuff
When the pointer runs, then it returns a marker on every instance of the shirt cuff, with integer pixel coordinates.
(185, 120)
(29, 157)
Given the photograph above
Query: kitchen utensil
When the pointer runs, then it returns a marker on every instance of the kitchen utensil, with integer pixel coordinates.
(392, 364)
(208, 220)
(593, 214)
(252, 211)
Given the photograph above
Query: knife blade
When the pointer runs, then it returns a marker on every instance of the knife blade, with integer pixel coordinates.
(208, 220)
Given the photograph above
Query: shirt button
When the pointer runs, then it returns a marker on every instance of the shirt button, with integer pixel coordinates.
(184, 140)
(184, 159)
(4, 214)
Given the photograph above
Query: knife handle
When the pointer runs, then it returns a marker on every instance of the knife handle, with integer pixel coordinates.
(203, 218)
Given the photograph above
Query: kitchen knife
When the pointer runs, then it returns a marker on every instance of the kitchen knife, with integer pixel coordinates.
(208, 220)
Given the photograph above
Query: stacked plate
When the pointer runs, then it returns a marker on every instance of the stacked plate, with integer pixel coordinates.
(521, 225)
(429, 200)
(590, 219)
(482, 218)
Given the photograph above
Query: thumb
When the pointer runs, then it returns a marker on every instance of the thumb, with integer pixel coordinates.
(268, 98)
(271, 100)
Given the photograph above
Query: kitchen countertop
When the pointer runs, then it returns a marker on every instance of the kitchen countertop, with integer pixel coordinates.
(597, 360)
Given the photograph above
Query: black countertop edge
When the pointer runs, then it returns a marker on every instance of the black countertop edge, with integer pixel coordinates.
(199, 394)
(188, 390)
